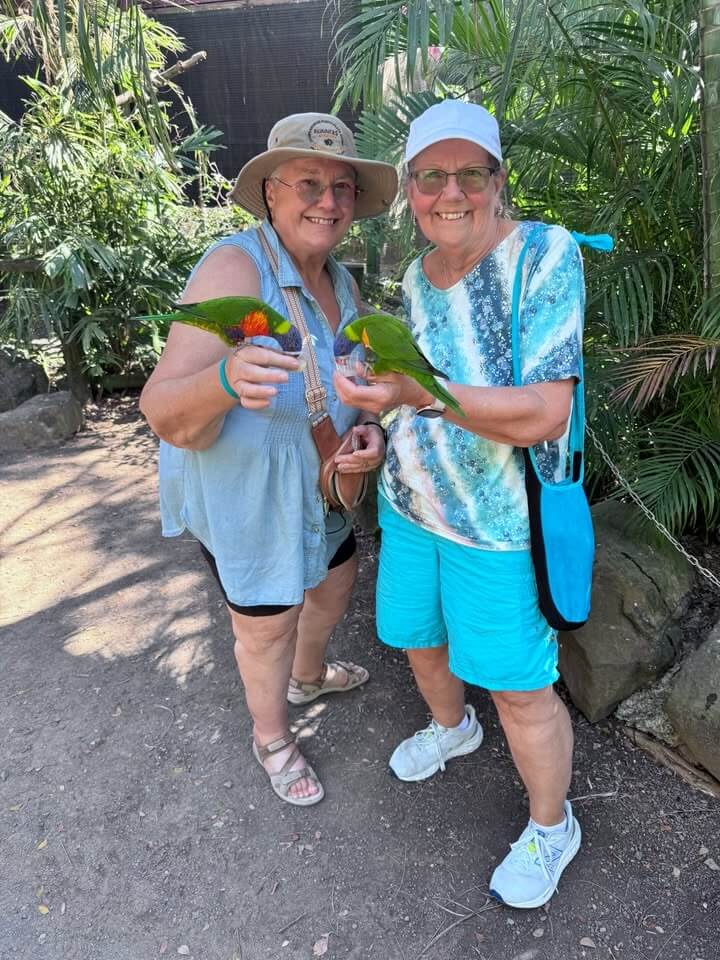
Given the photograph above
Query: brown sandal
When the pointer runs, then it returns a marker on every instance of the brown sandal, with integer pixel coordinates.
(285, 777)
(300, 693)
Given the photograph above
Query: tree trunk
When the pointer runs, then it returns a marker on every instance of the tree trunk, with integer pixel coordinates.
(75, 371)
(710, 132)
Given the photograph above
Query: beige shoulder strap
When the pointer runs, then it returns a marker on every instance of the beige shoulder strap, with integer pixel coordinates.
(315, 392)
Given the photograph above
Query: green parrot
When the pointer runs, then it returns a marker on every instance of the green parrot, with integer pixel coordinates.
(396, 351)
(233, 319)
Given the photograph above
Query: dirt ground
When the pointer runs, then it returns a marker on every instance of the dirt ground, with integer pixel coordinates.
(134, 823)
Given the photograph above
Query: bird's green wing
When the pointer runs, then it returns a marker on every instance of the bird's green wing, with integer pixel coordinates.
(426, 380)
(233, 319)
(390, 339)
(394, 341)
(397, 352)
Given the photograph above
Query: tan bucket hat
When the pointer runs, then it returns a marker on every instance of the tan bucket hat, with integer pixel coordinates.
(316, 135)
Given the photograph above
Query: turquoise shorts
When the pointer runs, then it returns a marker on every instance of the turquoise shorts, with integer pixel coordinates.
(483, 604)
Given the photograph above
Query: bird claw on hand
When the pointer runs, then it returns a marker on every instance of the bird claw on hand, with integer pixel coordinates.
(353, 365)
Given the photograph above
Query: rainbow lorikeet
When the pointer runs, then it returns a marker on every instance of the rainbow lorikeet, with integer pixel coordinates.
(233, 319)
(396, 351)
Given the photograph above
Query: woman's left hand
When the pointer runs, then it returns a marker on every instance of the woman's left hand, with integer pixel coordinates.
(385, 392)
(370, 453)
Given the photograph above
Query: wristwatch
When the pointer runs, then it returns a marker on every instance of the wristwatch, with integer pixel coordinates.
(374, 423)
(436, 409)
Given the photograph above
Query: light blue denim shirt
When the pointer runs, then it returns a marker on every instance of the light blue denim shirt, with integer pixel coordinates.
(252, 498)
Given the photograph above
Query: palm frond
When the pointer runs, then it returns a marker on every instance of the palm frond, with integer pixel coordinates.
(384, 29)
(708, 316)
(662, 361)
(381, 133)
(679, 476)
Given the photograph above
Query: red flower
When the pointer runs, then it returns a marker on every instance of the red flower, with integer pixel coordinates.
(255, 324)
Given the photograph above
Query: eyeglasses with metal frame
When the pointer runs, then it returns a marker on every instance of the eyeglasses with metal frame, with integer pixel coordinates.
(310, 191)
(431, 183)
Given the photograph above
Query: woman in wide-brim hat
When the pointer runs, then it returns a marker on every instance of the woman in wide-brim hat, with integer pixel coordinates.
(238, 464)
(310, 136)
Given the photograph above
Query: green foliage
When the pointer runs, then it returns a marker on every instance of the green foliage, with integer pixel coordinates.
(91, 51)
(84, 197)
(93, 196)
(600, 117)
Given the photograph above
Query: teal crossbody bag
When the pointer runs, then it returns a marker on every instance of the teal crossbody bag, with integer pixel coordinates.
(562, 541)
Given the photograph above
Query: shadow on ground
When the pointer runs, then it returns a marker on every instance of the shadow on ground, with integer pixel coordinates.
(134, 823)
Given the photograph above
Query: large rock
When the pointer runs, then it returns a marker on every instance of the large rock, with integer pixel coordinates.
(19, 380)
(632, 635)
(694, 703)
(645, 710)
(40, 421)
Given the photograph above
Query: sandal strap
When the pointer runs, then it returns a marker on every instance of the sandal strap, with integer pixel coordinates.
(355, 672)
(309, 686)
(292, 757)
(284, 772)
(352, 669)
(313, 686)
(275, 745)
(285, 778)
(282, 780)
(288, 777)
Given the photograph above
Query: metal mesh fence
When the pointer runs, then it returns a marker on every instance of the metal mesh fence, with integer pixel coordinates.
(265, 61)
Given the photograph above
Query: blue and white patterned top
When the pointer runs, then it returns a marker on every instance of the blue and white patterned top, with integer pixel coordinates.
(252, 498)
(453, 482)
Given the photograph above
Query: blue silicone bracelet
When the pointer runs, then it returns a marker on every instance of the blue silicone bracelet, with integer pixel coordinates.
(224, 381)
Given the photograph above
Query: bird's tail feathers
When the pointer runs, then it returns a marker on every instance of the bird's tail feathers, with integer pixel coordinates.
(437, 390)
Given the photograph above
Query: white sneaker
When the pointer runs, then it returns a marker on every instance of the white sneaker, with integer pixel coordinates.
(529, 874)
(421, 755)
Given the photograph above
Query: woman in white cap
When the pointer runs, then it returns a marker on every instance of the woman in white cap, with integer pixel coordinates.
(452, 504)
(238, 464)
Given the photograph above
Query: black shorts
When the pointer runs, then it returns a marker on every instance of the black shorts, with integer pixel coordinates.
(346, 549)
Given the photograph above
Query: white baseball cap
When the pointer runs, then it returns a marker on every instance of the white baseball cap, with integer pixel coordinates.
(454, 120)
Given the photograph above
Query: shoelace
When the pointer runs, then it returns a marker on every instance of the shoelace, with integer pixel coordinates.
(432, 732)
(537, 849)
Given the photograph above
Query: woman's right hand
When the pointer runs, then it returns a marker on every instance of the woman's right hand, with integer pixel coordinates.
(251, 370)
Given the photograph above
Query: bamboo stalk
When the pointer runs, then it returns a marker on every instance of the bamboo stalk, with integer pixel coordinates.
(181, 66)
(20, 266)
(710, 138)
